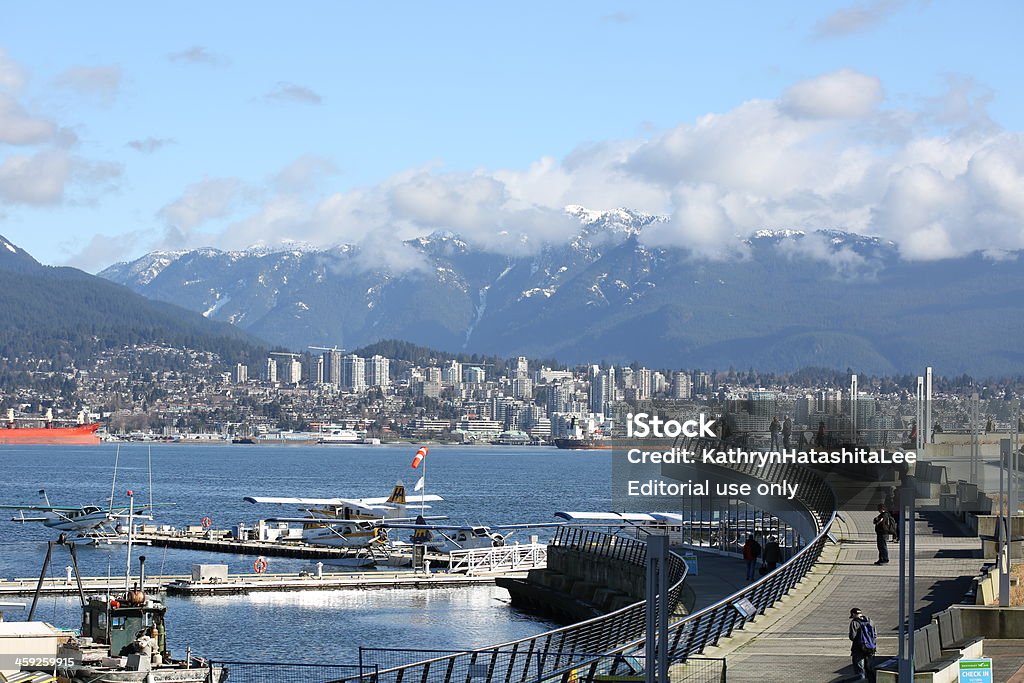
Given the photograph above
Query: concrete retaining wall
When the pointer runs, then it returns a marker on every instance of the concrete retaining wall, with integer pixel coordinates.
(992, 622)
(603, 572)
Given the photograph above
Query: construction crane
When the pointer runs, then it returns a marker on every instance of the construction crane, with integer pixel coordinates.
(327, 348)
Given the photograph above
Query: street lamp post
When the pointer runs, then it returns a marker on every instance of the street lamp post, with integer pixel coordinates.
(908, 573)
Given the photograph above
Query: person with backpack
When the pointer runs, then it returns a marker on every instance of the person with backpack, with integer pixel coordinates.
(751, 551)
(863, 644)
(885, 527)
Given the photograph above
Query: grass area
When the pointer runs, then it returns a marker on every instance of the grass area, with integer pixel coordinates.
(1017, 592)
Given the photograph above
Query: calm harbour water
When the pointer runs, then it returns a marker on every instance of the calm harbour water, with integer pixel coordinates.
(481, 485)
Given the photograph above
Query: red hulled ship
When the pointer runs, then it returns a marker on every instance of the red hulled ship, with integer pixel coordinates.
(49, 433)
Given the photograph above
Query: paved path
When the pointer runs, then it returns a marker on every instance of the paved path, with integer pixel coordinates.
(804, 638)
(718, 576)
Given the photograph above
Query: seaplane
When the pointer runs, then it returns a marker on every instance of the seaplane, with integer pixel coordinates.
(355, 523)
(85, 520)
(443, 538)
(396, 505)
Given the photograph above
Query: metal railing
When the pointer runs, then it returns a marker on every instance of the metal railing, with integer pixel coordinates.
(522, 660)
(588, 667)
(621, 633)
(504, 558)
(283, 672)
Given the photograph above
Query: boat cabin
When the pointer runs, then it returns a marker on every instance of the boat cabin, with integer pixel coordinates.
(119, 622)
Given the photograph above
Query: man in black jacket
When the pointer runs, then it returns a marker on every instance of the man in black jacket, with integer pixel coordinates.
(772, 553)
(884, 528)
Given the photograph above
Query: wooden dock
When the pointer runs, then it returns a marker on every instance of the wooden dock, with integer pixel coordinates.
(239, 584)
(291, 582)
(91, 585)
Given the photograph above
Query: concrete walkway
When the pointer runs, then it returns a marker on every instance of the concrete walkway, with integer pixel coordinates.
(804, 638)
(718, 576)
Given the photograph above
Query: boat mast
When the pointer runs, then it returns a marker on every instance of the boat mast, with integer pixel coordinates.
(113, 482)
(131, 537)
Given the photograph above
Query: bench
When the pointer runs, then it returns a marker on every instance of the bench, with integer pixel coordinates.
(930, 665)
(952, 639)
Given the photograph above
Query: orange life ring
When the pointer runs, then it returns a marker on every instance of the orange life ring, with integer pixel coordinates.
(260, 565)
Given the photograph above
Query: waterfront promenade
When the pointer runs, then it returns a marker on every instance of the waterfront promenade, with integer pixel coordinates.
(804, 637)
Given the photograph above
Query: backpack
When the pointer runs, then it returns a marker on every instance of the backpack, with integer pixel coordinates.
(887, 525)
(865, 639)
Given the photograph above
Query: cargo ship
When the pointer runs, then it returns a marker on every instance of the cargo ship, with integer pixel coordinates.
(49, 434)
(587, 444)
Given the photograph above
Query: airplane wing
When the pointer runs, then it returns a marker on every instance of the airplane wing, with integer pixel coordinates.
(359, 522)
(270, 500)
(410, 500)
(316, 520)
(370, 506)
(610, 517)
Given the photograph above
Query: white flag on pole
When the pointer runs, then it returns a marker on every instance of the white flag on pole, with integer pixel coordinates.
(419, 485)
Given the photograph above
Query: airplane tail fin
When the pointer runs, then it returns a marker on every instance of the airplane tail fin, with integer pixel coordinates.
(421, 535)
(397, 494)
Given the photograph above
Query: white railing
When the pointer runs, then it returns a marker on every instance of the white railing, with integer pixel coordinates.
(504, 558)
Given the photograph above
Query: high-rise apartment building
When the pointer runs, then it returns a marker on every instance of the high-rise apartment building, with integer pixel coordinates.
(681, 386)
(332, 367)
(293, 371)
(353, 373)
(378, 371)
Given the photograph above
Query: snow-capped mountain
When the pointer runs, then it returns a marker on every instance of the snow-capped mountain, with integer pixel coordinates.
(14, 258)
(789, 298)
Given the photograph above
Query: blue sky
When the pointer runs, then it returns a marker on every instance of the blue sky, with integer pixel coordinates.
(130, 128)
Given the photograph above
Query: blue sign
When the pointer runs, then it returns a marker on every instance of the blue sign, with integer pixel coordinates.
(976, 670)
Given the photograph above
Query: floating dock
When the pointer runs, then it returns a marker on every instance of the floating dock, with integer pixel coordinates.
(469, 567)
(241, 584)
(290, 582)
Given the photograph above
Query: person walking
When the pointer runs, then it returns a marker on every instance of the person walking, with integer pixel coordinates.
(863, 644)
(787, 431)
(772, 553)
(751, 551)
(774, 428)
(885, 527)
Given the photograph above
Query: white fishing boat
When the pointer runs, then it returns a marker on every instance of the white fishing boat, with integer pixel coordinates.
(121, 637)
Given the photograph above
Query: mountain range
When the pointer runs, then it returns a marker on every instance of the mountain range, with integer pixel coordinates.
(785, 299)
(66, 315)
